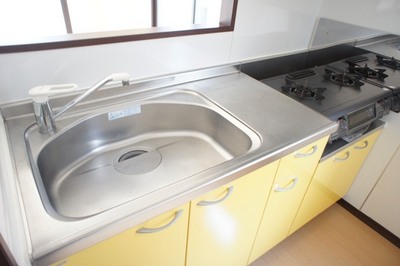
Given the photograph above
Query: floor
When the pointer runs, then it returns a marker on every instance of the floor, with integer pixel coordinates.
(335, 237)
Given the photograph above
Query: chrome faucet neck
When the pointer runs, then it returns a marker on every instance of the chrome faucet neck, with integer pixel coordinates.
(45, 116)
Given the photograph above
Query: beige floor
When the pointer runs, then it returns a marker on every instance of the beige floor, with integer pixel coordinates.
(335, 237)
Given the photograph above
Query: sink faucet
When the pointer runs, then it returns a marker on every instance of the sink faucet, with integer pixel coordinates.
(44, 114)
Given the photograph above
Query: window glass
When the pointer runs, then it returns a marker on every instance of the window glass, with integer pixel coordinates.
(107, 15)
(30, 19)
(30, 25)
(208, 12)
(175, 13)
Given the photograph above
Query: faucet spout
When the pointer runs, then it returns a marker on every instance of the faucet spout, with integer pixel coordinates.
(124, 77)
(45, 116)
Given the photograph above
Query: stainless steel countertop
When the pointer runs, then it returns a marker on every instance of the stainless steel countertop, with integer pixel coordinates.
(283, 124)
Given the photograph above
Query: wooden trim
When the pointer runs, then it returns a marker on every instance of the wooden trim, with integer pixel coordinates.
(6, 257)
(194, 11)
(371, 223)
(67, 18)
(228, 13)
(47, 45)
(228, 16)
(154, 12)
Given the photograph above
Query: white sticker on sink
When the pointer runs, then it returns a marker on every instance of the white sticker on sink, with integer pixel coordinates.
(124, 112)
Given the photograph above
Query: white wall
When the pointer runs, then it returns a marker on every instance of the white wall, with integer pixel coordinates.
(263, 28)
(273, 27)
(375, 14)
(86, 65)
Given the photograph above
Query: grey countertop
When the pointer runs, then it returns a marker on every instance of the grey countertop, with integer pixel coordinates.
(283, 125)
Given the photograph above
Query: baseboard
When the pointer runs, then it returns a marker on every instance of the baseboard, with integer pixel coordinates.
(370, 222)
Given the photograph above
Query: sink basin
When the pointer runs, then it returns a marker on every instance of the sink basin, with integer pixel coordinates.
(100, 161)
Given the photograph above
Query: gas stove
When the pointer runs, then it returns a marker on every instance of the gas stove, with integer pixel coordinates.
(391, 63)
(382, 71)
(339, 95)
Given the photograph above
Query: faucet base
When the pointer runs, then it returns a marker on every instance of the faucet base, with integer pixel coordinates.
(44, 117)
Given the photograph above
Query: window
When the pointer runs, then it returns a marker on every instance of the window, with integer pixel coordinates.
(108, 15)
(49, 24)
(24, 19)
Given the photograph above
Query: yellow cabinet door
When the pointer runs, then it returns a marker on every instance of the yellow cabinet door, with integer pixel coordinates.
(224, 222)
(159, 241)
(333, 179)
(290, 184)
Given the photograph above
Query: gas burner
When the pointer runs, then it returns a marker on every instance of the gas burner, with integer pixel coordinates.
(388, 62)
(302, 92)
(344, 79)
(367, 72)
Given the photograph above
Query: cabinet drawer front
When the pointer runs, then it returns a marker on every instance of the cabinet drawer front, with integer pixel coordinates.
(279, 213)
(291, 181)
(224, 222)
(134, 248)
(301, 163)
(345, 166)
(332, 179)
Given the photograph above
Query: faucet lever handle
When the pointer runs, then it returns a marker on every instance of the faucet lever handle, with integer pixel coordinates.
(120, 77)
(40, 94)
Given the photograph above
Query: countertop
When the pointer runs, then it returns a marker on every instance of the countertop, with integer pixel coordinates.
(283, 125)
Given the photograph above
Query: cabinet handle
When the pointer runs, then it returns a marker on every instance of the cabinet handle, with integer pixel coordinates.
(363, 147)
(284, 189)
(145, 230)
(208, 203)
(342, 159)
(302, 155)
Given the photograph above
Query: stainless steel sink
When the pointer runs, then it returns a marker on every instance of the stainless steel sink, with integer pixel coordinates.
(126, 151)
(177, 137)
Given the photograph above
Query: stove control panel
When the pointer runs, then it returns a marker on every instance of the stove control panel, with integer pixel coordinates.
(383, 107)
(354, 124)
(396, 103)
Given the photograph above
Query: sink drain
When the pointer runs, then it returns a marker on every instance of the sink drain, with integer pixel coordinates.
(131, 154)
(137, 161)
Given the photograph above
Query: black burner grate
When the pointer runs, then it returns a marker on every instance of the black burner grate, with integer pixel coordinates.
(388, 62)
(343, 79)
(302, 92)
(301, 74)
(366, 71)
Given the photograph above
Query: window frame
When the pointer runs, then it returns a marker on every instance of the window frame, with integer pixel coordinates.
(227, 23)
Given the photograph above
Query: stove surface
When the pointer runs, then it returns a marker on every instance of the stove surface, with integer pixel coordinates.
(339, 98)
(371, 60)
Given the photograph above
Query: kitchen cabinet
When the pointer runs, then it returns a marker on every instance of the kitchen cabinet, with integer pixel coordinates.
(382, 205)
(333, 178)
(375, 189)
(384, 149)
(291, 182)
(224, 222)
(159, 241)
(222, 227)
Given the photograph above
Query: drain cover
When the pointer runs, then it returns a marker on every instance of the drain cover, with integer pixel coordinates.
(137, 161)
(131, 154)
